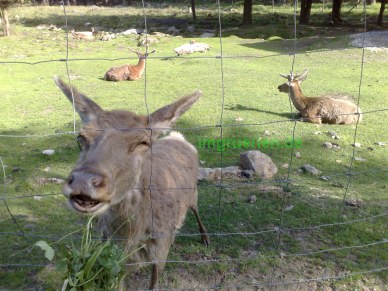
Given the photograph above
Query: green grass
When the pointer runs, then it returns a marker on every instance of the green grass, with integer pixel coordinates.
(32, 105)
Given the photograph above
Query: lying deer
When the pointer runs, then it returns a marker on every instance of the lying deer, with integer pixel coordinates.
(128, 72)
(322, 109)
(125, 172)
(88, 35)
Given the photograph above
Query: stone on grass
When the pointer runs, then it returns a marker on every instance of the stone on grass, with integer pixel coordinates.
(259, 163)
(333, 134)
(48, 152)
(252, 198)
(310, 170)
(327, 145)
(356, 145)
(132, 31)
(207, 34)
(214, 174)
(360, 159)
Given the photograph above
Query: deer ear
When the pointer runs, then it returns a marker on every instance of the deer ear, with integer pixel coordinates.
(166, 116)
(86, 108)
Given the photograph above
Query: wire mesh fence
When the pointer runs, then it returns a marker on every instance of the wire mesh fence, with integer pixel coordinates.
(242, 233)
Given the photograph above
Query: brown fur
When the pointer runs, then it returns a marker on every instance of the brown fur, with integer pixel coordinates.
(128, 72)
(125, 173)
(322, 109)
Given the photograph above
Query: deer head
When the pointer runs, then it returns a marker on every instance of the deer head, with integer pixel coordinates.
(114, 147)
(142, 55)
(292, 80)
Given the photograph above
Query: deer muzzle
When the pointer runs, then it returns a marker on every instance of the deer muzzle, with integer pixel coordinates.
(85, 191)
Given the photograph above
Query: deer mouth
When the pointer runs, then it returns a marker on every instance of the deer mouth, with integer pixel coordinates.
(84, 203)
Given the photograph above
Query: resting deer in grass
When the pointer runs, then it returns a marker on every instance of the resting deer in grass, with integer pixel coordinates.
(125, 172)
(128, 72)
(319, 109)
(88, 35)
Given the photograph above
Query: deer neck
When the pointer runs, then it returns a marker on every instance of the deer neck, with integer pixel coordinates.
(298, 98)
(141, 65)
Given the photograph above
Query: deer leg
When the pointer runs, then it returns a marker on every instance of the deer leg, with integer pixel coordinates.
(314, 118)
(154, 277)
(202, 229)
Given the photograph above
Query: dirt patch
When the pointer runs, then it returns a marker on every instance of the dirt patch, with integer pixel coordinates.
(372, 40)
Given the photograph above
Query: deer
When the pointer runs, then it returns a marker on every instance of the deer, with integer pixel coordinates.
(322, 109)
(128, 72)
(126, 170)
(87, 35)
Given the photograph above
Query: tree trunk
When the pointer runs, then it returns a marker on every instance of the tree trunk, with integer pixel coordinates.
(336, 12)
(380, 18)
(5, 21)
(305, 9)
(247, 14)
(193, 10)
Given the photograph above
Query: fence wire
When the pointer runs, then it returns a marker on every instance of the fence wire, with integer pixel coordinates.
(222, 185)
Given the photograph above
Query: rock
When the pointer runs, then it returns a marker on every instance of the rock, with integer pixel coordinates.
(333, 134)
(360, 159)
(247, 173)
(132, 31)
(232, 171)
(214, 174)
(266, 132)
(356, 145)
(298, 155)
(317, 132)
(285, 166)
(36, 197)
(206, 174)
(353, 202)
(207, 34)
(252, 198)
(311, 170)
(289, 208)
(173, 31)
(108, 36)
(48, 152)
(202, 162)
(190, 28)
(259, 163)
(56, 180)
(335, 145)
(191, 47)
(324, 178)
(380, 143)
(238, 119)
(327, 145)
(47, 169)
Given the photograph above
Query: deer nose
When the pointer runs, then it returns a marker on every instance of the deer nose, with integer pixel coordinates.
(84, 180)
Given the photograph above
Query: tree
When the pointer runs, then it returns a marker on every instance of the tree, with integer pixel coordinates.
(305, 9)
(193, 10)
(247, 13)
(4, 6)
(381, 14)
(336, 12)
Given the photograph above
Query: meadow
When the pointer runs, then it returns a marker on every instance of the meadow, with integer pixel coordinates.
(303, 232)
